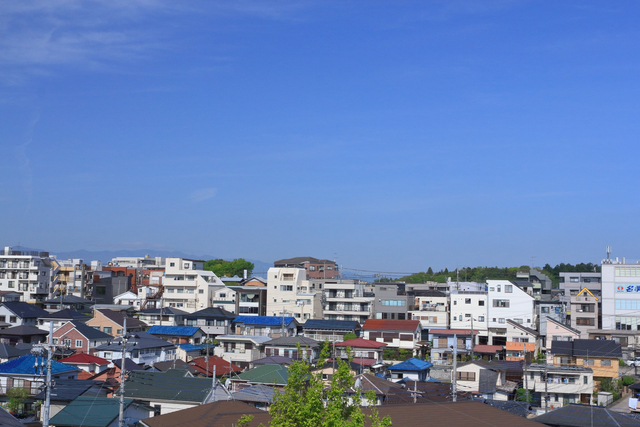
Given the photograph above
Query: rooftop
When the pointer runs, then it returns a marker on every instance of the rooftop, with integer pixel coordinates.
(361, 343)
(265, 320)
(391, 325)
(185, 331)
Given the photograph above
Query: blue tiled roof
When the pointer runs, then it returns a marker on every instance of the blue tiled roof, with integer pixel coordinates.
(25, 366)
(263, 320)
(412, 364)
(186, 331)
(347, 325)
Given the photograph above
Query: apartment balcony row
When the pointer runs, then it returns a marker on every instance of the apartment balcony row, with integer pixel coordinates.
(429, 307)
(358, 311)
(576, 387)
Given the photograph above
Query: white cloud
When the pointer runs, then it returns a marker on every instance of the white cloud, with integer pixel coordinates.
(203, 194)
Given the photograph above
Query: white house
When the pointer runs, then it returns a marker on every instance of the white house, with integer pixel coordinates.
(187, 286)
(289, 293)
(240, 349)
(507, 301)
(469, 308)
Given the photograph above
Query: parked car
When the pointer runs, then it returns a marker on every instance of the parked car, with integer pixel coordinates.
(633, 362)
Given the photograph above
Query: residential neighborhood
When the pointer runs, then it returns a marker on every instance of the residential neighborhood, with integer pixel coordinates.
(502, 343)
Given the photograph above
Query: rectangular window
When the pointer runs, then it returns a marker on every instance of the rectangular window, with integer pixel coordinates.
(180, 290)
(287, 277)
(588, 362)
(13, 319)
(481, 303)
(503, 303)
(544, 309)
(286, 287)
(480, 318)
(508, 288)
(605, 362)
(586, 379)
(107, 329)
(78, 343)
(467, 300)
(12, 284)
(201, 291)
(574, 279)
(501, 320)
(466, 376)
(172, 264)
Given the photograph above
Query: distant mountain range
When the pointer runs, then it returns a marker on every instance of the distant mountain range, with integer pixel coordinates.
(260, 268)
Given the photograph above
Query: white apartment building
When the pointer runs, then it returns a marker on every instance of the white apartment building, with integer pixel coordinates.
(28, 273)
(73, 277)
(431, 308)
(137, 261)
(187, 286)
(468, 305)
(344, 300)
(620, 294)
(289, 294)
(507, 301)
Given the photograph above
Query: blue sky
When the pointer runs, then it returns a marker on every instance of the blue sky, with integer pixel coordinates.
(395, 135)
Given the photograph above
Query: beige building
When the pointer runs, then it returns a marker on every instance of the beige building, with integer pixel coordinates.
(584, 312)
(187, 286)
(111, 322)
(289, 294)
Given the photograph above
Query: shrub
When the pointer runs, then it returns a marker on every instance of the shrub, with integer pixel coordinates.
(621, 363)
(625, 381)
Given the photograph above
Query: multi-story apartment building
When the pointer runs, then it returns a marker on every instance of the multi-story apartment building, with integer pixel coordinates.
(74, 277)
(27, 272)
(315, 268)
(137, 261)
(250, 300)
(507, 301)
(572, 283)
(391, 301)
(584, 312)
(188, 286)
(431, 308)
(469, 308)
(620, 294)
(289, 293)
(345, 300)
(541, 282)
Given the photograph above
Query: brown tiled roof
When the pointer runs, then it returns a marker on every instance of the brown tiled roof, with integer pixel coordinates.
(222, 366)
(451, 414)
(361, 343)
(118, 317)
(223, 413)
(488, 349)
(391, 325)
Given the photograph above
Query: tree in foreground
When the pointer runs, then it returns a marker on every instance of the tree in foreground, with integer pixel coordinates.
(307, 402)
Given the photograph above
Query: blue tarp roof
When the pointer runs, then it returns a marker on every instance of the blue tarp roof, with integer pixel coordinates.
(191, 347)
(186, 331)
(412, 364)
(25, 366)
(263, 320)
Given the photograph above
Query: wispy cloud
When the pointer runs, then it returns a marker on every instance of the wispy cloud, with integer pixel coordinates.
(203, 194)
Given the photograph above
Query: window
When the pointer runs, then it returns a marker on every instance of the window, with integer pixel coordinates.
(288, 277)
(107, 329)
(605, 362)
(13, 319)
(201, 291)
(223, 295)
(467, 300)
(544, 309)
(455, 317)
(574, 279)
(481, 303)
(501, 303)
(3, 319)
(501, 320)
(455, 302)
(172, 264)
(107, 355)
(55, 340)
(67, 342)
(12, 284)
(286, 287)
(118, 331)
(467, 315)
(79, 343)
(588, 362)
(480, 318)
(586, 379)
(532, 377)
(180, 290)
(466, 376)
(187, 266)
(170, 290)
(508, 288)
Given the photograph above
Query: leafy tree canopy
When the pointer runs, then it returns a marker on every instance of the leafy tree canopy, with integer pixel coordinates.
(222, 267)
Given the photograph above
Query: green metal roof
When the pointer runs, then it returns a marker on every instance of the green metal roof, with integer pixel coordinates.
(175, 384)
(89, 412)
(266, 374)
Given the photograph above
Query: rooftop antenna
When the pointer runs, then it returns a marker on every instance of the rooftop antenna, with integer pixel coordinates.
(608, 251)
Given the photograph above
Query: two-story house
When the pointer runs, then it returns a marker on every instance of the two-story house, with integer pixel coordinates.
(330, 330)
(446, 340)
(522, 342)
(268, 326)
(487, 379)
(165, 316)
(112, 322)
(240, 349)
(212, 320)
(59, 318)
(399, 334)
(557, 331)
(601, 356)
(362, 350)
(178, 334)
(80, 337)
(288, 347)
(21, 313)
(553, 387)
(141, 347)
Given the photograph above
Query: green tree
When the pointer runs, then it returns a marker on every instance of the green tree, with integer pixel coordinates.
(521, 395)
(349, 336)
(306, 402)
(223, 267)
(17, 396)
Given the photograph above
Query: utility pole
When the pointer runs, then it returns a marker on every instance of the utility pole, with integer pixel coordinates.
(48, 385)
(124, 351)
(206, 358)
(526, 382)
(454, 379)
(213, 383)
(473, 341)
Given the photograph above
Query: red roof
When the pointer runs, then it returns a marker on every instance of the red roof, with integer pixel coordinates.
(222, 366)
(84, 358)
(452, 332)
(361, 343)
(391, 325)
(490, 349)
